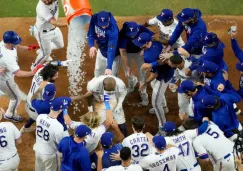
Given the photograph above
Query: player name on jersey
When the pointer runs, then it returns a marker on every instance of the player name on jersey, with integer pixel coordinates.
(163, 161)
(44, 123)
(3, 130)
(179, 139)
(138, 140)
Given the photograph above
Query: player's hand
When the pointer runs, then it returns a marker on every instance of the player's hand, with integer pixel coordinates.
(115, 157)
(220, 87)
(188, 72)
(33, 47)
(146, 66)
(99, 153)
(183, 116)
(118, 108)
(233, 34)
(128, 70)
(141, 53)
(39, 66)
(142, 87)
(108, 72)
(225, 75)
(66, 63)
(238, 160)
(2, 112)
(92, 52)
(205, 119)
(183, 52)
(167, 49)
(165, 56)
(2, 70)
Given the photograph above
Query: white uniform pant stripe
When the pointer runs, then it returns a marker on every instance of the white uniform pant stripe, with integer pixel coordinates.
(15, 97)
(41, 49)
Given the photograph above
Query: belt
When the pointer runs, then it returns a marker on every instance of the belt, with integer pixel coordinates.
(31, 109)
(45, 31)
(195, 165)
(10, 157)
(225, 157)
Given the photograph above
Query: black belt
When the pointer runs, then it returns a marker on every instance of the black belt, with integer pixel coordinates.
(45, 31)
(10, 157)
(31, 109)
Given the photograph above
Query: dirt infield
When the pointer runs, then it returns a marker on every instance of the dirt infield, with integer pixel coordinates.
(217, 24)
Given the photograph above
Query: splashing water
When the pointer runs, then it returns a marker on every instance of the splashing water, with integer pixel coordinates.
(75, 52)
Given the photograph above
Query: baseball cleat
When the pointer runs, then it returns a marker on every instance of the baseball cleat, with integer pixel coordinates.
(152, 111)
(30, 129)
(15, 118)
(132, 82)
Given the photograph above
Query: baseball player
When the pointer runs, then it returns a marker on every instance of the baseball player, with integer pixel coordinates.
(104, 30)
(49, 133)
(46, 30)
(128, 52)
(116, 89)
(137, 142)
(214, 146)
(9, 138)
(75, 155)
(125, 155)
(160, 74)
(166, 24)
(189, 20)
(165, 157)
(9, 61)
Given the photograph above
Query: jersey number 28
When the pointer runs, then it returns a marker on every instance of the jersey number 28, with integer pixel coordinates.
(42, 133)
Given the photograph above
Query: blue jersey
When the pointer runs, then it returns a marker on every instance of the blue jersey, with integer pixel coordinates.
(194, 34)
(106, 161)
(214, 81)
(75, 156)
(237, 50)
(126, 42)
(165, 72)
(44, 107)
(105, 38)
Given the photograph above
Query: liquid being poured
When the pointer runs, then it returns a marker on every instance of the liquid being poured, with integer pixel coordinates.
(75, 52)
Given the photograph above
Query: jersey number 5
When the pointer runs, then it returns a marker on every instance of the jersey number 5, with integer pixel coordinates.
(3, 143)
(212, 133)
(138, 152)
(42, 133)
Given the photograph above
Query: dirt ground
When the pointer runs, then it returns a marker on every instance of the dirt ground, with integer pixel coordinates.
(217, 24)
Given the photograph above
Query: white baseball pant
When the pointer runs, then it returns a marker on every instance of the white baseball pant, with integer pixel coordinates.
(101, 64)
(10, 88)
(227, 164)
(158, 99)
(47, 41)
(10, 164)
(183, 103)
(47, 162)
(31, 112)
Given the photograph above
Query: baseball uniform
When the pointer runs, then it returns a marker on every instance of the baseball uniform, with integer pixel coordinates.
(139, 145)
(131, 167)
(9, 60)
(107, 39)
(106, 159)
(215, 146)
(48, 36)
(9, 158)
(49, 133)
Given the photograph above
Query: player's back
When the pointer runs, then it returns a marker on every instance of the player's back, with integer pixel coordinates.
(8, 134)
(132, 167)
(49, 133)
(139, 145)
(165, 161)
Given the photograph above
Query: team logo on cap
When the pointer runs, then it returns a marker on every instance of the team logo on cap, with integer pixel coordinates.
(65, 102)
(47, 92)
(131, 29)
(182, 14)
(162, 14)
(18, 37)
(206, 38)
(139, 38)
(102, 19)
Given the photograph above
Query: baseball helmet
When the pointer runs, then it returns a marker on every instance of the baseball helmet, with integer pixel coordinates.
(11, 37)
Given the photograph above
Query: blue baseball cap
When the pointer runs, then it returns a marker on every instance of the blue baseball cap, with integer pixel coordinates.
(165, 15)
(49, 92)
(208, 66)
(82, 131)
(103, 18)
(106, 139)
(131, 29)
(186, 14)
(169, 126)
(239, 66)
(159, 142)
(210, 38)
(142, 39)
(11, 37)
(208, 101)
(57, 104)
(186, 86)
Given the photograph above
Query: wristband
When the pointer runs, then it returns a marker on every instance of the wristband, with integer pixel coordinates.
(65, 112)
(59, 63)
(107, 106)
(154, 64)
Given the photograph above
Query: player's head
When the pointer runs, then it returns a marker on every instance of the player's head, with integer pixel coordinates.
(57, 106)
(125, 154)
(81, 132)
(190, 123)
(176, 61)
(49, 73)
(144, 40)
(11, 38)
(189, 16)
(91, 119)
(106, 139)
(208, 68)
(103, 19)
(187, 87)
(49, 92)
(131, 29)
(210, 40)
(109, 84)
(48, 2)
(170, 129)
(159, 143)
(137, 124)
(210, 102)
(166, 17)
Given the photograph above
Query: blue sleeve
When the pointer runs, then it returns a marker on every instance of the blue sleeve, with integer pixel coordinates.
(122, 43)
(91, 33)
(38, 105)
(192, 39)
(176, 34)
(210, 56)
(229, 86)
(203, 127)
(85, 160)
(144, 29)
(237, 50)
(231, 97)
(112, 45)
(60, 145)
(211, 91)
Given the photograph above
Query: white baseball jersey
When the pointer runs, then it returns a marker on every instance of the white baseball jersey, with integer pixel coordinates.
(8, 134)
(44, 14)
(49, 133)
(165, 161)
(8, 60)
(214, 143)
(132, 167)
(139, 145)
(166, 31)
(186, 157)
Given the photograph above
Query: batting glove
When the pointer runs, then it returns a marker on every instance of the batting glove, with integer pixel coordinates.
(33, 47)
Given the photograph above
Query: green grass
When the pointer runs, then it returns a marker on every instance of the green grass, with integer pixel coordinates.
(26, 8)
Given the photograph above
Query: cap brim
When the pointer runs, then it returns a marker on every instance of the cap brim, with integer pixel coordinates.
(160, 18)
(180, 90)
(102, 24)
(201, 69)
(182, 19)
(137, 43)
(18, 42)
(239, 66)
(131, 34)
(45, 97)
